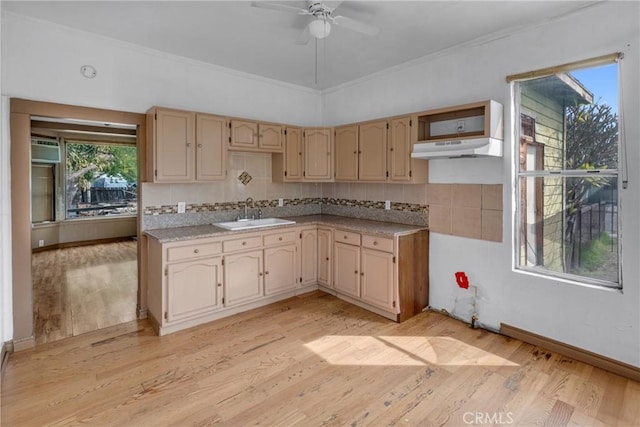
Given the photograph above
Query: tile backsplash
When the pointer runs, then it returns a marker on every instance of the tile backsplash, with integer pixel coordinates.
(468, 210)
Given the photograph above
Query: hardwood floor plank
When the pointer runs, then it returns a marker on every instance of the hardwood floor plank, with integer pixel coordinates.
(308, 360)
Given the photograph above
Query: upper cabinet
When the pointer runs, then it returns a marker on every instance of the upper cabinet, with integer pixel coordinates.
(346, 153)
(185, 146)
(477, 120)
(318, 154)
(288, 166)
(372, 152)
(255, 136)
(403, 133)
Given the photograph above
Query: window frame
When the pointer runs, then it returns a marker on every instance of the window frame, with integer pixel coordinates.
(518, 223)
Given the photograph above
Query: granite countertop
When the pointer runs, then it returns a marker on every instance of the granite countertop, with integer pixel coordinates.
(377, 228)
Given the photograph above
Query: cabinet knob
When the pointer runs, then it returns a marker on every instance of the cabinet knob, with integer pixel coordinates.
(362, 274)
(356, 271)
(345, 237)
(327, 258)
(188, 144)
(391, 149)
(244, 243)
(299, 153)
(260, 274)
(196, 251)
(199, 145)
(266, 272)
(359, 152)
(280, 238)
(219, 285)
(375, 243)
(355, 152)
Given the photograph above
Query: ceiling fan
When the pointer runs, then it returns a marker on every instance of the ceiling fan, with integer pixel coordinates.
(323, 17)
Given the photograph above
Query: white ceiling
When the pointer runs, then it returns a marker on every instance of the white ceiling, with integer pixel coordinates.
(259, 41)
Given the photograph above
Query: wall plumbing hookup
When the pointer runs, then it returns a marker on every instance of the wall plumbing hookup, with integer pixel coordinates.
(463, 282)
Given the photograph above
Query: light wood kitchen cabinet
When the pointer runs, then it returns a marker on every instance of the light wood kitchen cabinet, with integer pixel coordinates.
(318, 152)
(186, 147)
(309, 257)
(325, 260)
(346, 153)
(288, 166)
(193, 288)
(211, 148)
(172, 145)
(377, 285)
(372, 151)
(243, 277)
(403, 134)
(255, 136)
(280, 269)
(346, 267)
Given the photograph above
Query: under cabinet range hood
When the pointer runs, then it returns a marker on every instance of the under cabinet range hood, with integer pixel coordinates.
(456, 148)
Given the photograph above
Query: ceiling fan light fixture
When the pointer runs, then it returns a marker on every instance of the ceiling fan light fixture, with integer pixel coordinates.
(319, 28)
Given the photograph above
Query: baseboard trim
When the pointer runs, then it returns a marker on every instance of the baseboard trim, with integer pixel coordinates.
(83, 243)
(5, 351)
(24, 344)
(586, 356)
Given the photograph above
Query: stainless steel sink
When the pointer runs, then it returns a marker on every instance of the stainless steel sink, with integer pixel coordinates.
(245, 224)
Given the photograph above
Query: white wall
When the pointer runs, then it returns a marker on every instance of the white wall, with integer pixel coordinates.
(601, 321)
(42, 62)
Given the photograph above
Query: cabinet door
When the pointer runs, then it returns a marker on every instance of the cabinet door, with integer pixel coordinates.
(309, 257)
(372, 164)
(346, 278)
(244, 134)
(346, 153)
(174, 146)
(193, 288)
(211, 152)
(242, 277)
(293, 154)
(317, 154)
(280, 269)
(377, 287)
(325, 240)
(270, 137)
(400, 146)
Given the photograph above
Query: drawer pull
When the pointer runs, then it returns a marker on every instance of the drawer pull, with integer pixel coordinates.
(375, 243)
(244, 243)
(345, 237)
(280, 238)
(196, 251)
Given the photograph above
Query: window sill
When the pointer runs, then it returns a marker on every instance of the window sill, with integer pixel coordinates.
(604, 286)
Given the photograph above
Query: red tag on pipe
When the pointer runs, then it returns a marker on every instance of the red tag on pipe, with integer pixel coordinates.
(462, 280)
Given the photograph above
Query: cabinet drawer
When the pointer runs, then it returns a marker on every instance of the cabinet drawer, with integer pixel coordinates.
(193, 251)
(284, 237)
(240, 244)
(377, 243)
(346, 237)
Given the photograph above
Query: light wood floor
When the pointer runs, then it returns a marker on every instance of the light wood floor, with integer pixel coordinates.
(310, 361)
(84, 288)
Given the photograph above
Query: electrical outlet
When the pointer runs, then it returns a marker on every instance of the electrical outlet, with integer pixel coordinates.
(182, 207)
(387, 204)
(460, 127)
(280, 202)
(40, 243)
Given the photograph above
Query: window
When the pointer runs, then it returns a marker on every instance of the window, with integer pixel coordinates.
(567, 172)
(101, 179)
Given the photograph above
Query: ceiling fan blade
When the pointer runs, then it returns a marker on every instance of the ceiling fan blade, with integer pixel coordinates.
(304, 36)
(357, 26)
(279, 7)
(333, 5)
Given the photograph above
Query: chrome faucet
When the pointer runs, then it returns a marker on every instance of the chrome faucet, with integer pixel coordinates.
(246, 207)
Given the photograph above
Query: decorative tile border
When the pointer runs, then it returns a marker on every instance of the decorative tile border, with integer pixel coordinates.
(227, 206)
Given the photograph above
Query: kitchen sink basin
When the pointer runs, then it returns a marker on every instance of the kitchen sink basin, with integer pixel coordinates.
(246, 224)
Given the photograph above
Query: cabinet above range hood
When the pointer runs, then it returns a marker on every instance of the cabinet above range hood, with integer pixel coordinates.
(471, 130)
(473, 147)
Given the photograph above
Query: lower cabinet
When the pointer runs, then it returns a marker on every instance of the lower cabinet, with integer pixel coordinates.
(376, 278)
(346, 267)
(309, 257)
(325, 256)
(193, 288)
(243, 277)
(280, 269)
